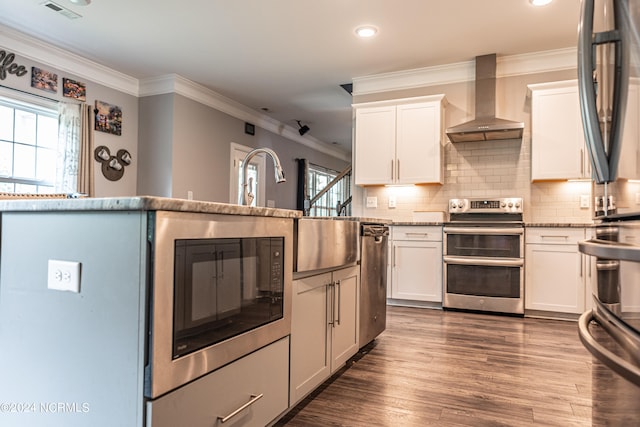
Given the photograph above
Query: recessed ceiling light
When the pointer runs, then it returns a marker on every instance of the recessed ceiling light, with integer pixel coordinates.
(540, 2)
(366, 31)
(80, 2)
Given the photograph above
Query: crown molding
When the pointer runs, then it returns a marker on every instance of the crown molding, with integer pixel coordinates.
(512, 65)
(47, 54)
(63, 60)
(173, 83)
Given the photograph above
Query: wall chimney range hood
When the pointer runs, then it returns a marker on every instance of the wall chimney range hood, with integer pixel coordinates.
(486, 126)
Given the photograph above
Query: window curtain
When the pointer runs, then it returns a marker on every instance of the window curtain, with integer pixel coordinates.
(74, 171)
(85, 163)
(302, 190)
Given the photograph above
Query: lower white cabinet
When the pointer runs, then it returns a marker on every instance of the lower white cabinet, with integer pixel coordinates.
(416, 263)
(556, 273)
(324, 328)
(254, 387)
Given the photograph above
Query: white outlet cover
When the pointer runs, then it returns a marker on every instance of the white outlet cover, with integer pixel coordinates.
(63, 275)
(584, 201)
(372, 202)
(392, 201)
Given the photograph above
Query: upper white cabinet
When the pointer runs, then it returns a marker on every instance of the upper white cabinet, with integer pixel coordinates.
(399, 141)
(557, 138)
(629, 165)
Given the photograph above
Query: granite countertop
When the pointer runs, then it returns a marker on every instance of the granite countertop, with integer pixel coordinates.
(558, 225)
(141, 203)
(438, 223)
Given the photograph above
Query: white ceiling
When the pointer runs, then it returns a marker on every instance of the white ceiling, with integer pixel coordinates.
(290, 56)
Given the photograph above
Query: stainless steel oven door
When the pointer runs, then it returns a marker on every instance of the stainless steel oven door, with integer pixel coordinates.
(484, 268)
(485, 284)
(165, 373)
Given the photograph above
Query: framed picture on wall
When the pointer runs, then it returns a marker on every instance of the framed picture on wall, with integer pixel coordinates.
(74, 89)
(108, 118)
(44, 80)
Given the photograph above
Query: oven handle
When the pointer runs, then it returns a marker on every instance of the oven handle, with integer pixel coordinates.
(610, 250)
(627, 370)
(482, 230)
(491, 262)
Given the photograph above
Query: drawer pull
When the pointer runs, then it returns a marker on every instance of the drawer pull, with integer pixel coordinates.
(547, 236)
(254, 399)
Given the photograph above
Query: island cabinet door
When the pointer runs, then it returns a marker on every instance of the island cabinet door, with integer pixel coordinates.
(344, 328)
(310, 339)
(251, 391)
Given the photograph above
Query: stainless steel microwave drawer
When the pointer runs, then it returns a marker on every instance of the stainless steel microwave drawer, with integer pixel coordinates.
(251, 391)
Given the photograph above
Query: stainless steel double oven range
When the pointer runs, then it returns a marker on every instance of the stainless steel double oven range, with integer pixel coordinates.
(484, 255)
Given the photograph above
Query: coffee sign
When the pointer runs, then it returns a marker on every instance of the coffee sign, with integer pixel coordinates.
(7, 66)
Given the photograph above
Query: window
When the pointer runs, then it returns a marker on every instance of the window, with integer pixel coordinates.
(256, 175)
(318, 179)
(28, 146)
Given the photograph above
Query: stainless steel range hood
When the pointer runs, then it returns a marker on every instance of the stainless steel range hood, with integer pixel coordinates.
(486, 126)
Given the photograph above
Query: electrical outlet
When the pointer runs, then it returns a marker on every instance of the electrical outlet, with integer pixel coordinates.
(392, 201)
(63, 275)
(584, 201)
(189, 195)
(372, 202)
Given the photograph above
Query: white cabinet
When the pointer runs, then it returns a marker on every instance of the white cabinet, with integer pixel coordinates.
(557, 137)
(324, 327)
(416, 263)
(629, 165)
(399, 141)
(556, 273)
(257, 383)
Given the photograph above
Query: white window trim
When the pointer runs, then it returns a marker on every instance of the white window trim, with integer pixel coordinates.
(237, 154)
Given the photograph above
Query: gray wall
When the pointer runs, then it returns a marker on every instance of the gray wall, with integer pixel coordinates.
(126, 186)
(197, 140)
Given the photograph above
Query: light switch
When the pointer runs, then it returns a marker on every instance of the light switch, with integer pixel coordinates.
(392, 201)
(584, 201)
(372, 202)
(63, 275)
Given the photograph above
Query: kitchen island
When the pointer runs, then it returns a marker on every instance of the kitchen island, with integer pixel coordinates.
(78, 354)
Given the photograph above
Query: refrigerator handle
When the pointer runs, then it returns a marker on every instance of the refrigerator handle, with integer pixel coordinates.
(604, 160)
(587, 93)
(626, 369)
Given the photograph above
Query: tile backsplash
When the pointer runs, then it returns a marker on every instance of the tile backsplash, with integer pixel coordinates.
(486, 169)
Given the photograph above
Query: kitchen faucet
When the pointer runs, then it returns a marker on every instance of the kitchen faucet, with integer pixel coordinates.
(246, 196)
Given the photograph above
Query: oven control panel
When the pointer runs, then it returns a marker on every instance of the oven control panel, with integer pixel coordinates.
(479, 205)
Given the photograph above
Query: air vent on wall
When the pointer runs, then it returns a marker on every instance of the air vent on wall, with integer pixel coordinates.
(61, 10)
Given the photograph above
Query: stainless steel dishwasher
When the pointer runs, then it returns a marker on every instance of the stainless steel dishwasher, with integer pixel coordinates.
(373, 281)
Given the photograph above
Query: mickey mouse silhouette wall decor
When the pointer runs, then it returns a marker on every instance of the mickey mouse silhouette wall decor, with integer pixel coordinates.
(112, 166)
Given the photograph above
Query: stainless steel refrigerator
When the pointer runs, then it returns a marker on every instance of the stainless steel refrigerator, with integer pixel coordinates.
(609, 84)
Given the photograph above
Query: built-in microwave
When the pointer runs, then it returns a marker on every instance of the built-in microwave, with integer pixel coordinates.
(225, 287)
(220, 289)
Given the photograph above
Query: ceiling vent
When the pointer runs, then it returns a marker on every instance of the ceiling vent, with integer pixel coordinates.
(61, 10)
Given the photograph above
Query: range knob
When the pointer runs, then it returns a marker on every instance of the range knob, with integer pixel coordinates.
(517, 204)
(503, 204)
(510, 204)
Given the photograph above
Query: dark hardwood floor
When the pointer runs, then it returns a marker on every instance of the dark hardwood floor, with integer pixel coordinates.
(447, 368)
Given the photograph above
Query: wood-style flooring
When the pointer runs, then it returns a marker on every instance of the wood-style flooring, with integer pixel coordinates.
(448, 368)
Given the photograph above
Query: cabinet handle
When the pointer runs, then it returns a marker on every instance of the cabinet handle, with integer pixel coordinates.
(416, 234)
(254, 399)
(581, 262)
(544, 236)
(331, 294)
(392, 174)
(582, 161)
(394, 256)
(398, 170)
(339, 288)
